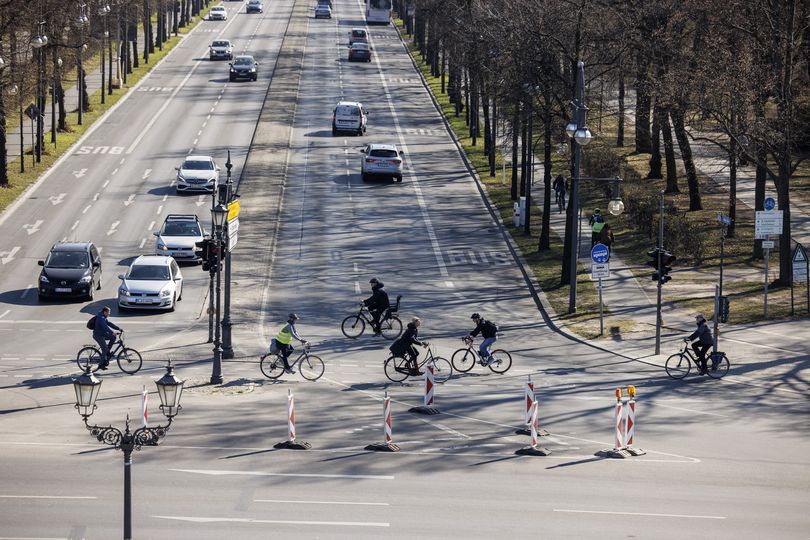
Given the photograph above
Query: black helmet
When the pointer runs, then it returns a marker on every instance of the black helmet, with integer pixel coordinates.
(292, 317)
(475, 316)
(373, 281)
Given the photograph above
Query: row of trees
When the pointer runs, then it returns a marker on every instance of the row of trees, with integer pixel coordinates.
(738, 70)
(43, 41)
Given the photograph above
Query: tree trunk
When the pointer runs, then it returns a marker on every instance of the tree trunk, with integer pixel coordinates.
(60, 104)
(545, 229)
(524, 154)
(732, 178)
(493, 137)
(669, 152)
(515, 130)
(759, 192)
(686, 156)
(655, 146)
(620, 131)
(643, 141)
(3, 149)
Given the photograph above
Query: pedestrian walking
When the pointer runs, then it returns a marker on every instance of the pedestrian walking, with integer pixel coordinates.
(560, 190)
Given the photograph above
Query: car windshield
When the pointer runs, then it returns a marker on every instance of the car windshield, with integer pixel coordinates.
(383, 153)
(348, 110)
(181, 228)
(217, 8)
(360, 45)
(149, 272)
(68, 259)
(221, 44)
(199, 165)
(243, 61)
(380, 4)
(358, 33)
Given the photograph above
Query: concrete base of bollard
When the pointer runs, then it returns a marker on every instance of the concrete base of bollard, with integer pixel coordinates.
(293, 445)
(635, 451)
(527, 431)
(424, 410)
(621, 453)
(533, 451)
(383, 447)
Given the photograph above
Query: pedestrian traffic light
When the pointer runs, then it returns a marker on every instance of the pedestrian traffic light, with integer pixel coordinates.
(203, 251)
(723, 308)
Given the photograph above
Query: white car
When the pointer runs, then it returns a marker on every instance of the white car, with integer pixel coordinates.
(381, 160)
(220, 48)
(152, 282)
(218, 13)
(349, 116)
(178, 237)
(197, 173)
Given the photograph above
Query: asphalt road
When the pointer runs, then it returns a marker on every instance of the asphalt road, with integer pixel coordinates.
(724, 460)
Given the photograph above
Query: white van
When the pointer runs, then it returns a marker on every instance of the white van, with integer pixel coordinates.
(349, 116)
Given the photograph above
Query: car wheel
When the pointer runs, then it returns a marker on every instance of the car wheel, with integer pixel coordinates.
(231, 79)
(364, 177)
(334, 132)
(398, 178)
(210, 57)
(255, 77)
(360, 132)
(181, 294)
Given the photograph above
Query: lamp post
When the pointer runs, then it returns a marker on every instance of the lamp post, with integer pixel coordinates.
(218, 215)
(58, 66)
(14, 90)
(38, 42)
(227, 346)
(103, 11)
(169, 389)
(82, 20)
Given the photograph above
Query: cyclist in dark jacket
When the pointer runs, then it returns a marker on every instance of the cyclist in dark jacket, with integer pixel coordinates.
(103, 333)
(404, 345)
(489, 331)
(377, 303)
(704, 340)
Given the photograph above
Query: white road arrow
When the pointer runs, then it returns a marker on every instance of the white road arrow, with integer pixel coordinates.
(57, 199)
(113, 228)
(31, 229)
(129, 200)
(146, 174)
(79, 173)
(201, 200)
(8, 256)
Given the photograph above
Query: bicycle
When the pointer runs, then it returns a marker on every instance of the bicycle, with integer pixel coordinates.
(398, 368)
(560, 198)
(464, 359)
(353, 326)
(129, 360)
(679, 364)
(310, 367)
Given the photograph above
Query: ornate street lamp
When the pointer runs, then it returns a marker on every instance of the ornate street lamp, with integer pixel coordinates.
(227, 344)
(219, 214)
(169, 388)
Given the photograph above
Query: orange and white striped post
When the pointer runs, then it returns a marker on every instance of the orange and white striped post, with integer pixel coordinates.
(387, 429)
(529, 391)
(533, 422)
(144, 410)
(533, 449)
(630, 423)
(429, 385)
(291, 415)
(619, 435)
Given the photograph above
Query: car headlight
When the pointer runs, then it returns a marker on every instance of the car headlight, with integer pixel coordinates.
(44, 279)
(123, 292)
(165, 293)
(161, 246)
(253, 70)
(86, 279)
(233, 70)
(180, 177)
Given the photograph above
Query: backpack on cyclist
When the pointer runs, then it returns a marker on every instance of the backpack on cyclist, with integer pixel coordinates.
(91, 324)
(491, 327)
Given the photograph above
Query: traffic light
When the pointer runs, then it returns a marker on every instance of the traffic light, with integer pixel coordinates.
(666, 261)
(203, 252)
(723, 308)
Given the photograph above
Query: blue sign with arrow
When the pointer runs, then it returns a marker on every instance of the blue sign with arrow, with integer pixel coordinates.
(600, 254)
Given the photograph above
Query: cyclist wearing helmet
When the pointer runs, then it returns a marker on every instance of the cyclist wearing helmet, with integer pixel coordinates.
(282, 342)
(377, 303)
(704, 342)
(489, 331)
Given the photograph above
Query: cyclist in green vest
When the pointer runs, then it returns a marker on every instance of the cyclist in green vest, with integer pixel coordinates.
(282, 342)
(597, 223)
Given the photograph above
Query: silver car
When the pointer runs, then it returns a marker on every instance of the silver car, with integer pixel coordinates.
(197, 173)
(218, 13)
(152, 282)
(178, 237)
(220, 48)
(381, 160)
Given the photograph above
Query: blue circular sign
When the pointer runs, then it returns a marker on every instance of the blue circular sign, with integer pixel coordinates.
(600, 254)
(770, 203)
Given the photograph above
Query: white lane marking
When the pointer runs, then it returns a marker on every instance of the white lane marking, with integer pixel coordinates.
(27, 290)
(105, 184)
(159, 210)
(151, 226)
(648, 514)
(114, 171)
(355, 267)
(199, 133)
(357, 287)
(274, 521)
(6, 312)
(143, 242)
(195, 142)
(209, 116)
(122, 161)
(47, 497)
(8, 256)
(96, 196)
(79, 173)
(32, 228)
(215, 472)
(146, 174)
(57, 199)
(322, 502)
(449, 284)
(113, 228)
(200, 201)
(165, 197)
(86, 208)
(129, 200)
(75, 224)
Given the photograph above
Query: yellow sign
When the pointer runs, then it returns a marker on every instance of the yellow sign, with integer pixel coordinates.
(233, 210)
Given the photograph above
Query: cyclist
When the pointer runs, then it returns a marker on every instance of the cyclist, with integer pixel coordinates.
(560, 190)
(597, 223)
(103, 333)
(704, 342)
(404, 345)
(489, 331)
(377, 304)
(281, 343)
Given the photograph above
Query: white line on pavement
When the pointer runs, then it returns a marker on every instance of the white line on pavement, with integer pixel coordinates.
(75, 224)
(159, 209)
(274, 521)
(46, 497)
(321, 502)
(86, 208)
(213, 472)
(357, 287)
(114, 171)
(151, 226)
(96, 196)
(105, 184)
(6, 312)
(637, 514)
(143, 241)
(27, 290)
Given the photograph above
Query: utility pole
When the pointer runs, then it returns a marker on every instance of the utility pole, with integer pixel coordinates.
(658, 321)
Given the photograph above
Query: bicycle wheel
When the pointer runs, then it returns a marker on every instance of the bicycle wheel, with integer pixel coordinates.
(442, 369)
(463, 360)
(391, 328)
(129, 360)
(501, 361)
(396, 368)
(678, 366)
(272, 366)
(353, 326)
(311, 367)
(719, 366)
(89, 357)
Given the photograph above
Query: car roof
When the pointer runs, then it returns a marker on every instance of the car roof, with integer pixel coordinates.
(243, 56)
(71, 246)
(349, 104)
(199, 158)
(358, 30)
(182, 217)
(218, 7)
(228, 41)
(379, 146)
(152, 260)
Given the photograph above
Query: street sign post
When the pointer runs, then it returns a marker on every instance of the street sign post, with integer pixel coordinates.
(598, 272)
(600, 254)
(801, 272)
(767, 222)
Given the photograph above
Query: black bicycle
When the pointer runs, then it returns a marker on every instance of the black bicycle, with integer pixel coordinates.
(129, 360)
(310, 367)
(353, 326)
(679, 364)
(499, 360)
(398, 368)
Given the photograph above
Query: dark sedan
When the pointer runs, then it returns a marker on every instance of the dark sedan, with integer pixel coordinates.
(244, 67)
(72, 269)
(359, 51)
